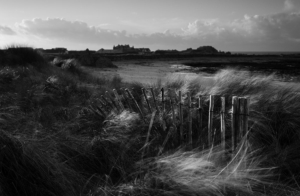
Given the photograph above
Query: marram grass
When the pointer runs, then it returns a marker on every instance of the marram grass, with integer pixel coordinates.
(54, 142)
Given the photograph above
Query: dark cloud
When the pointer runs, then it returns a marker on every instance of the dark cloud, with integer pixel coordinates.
(6, 30)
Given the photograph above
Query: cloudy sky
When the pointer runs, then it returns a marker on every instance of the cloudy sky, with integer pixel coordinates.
(228, 25)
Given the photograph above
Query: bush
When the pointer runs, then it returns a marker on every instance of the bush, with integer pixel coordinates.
(18, 55)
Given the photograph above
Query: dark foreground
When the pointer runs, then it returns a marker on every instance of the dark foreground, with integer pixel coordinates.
(54, 140)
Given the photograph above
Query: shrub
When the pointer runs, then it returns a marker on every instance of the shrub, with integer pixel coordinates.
(57, 61)
(18, 55)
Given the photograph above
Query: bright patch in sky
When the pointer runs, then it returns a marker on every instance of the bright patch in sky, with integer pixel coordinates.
(231, 25)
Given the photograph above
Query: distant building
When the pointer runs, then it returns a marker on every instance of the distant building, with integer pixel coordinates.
(143, 50)
(125, 48)
(109, 51)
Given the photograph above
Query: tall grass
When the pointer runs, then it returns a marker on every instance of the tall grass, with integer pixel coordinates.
(55, 142)
(274, 136)
(47, 148)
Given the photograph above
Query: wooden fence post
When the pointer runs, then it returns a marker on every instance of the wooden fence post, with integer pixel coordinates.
(210, 119)
(222, 117)
(190, 132)
(103, 105)
(181, 119)
(175, 102)
(111, 100)
(154, 100)
(101, 102)
(101, 111)
(163, 100)
(246, 116)
(107, 102)
(148, 134)
(147, 101)
(200, 112)
(246, 106)
(165, 141)
(118, 100)
(126, 99)
(136, 104)
(241, 117)
(234, 122)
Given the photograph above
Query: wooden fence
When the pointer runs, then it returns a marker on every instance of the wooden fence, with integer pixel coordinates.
(177, 106)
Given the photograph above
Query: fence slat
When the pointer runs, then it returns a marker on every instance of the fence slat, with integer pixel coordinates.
(154, 100)
(148, 134)
(111, 100)
(163, 100)
(246, 111)
(210, 119)
(222, 117)
(136, 104)
(101, 111)
(234, 122)
(118, 100)
(245, 120)
(107, 102)
(102, 104)
(241, 117)
(126, 99)
(200, 112)
(173, 112)
(147, 101)
(170, 131)
(190, 132)
(181, 119)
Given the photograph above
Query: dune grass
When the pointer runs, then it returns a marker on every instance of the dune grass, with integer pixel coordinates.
(54, 141)
(274, 123)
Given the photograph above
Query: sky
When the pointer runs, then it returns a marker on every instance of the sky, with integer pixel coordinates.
(227, 25)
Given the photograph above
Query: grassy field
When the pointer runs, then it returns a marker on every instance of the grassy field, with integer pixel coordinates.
(54, 140)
